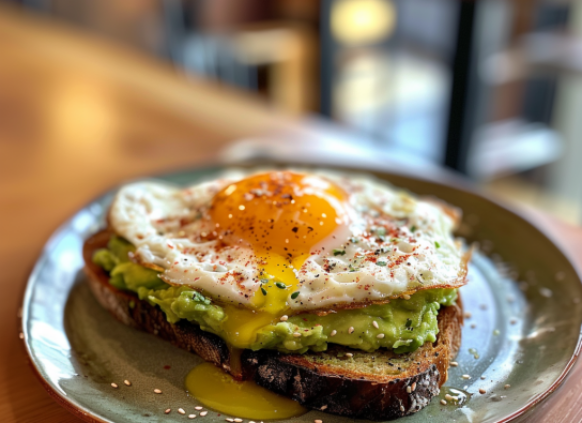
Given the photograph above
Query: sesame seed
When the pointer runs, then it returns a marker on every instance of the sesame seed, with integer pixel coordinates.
(181, 411)
(545, 292)
(482, 391)
(449, 397)
(21, 335)
(380, 336)
(191, 416)
(482, 377)
(402, 408)
(466, 377)
(351, 330)
(284, 318)
(229, 420)
(413, 386)
(507, 386)
(349, 355)
(114, 385)
(317, 421)
(375, 324)
(168, 411)
(323, 408)
(467, 315)
(408, 389)
(454, 364)
(157, 391)
(406, 297)
(296, 334)
(237, 420)
(333, 332)
(473, 326)
(203, 413)
(198, 408)
(443, 402)
(127, 382)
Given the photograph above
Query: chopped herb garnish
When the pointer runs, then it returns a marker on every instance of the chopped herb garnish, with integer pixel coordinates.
(436, 244)
(412, 228)
(263, 290)
(294, 295)
(408, 323)
(264, 281)
(381, 232)
(381, 263)
(197, 296)
(395, 240)
(338, 252)
(354, 240)
(280, 285)
(353, 269)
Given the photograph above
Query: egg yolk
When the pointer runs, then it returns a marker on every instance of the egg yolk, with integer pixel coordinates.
(219, 391)
(282, 213)
(282, 216)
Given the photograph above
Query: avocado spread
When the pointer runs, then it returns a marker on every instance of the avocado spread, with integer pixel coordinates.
(405, 324)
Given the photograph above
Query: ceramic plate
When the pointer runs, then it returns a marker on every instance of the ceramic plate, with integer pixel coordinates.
(524, 330)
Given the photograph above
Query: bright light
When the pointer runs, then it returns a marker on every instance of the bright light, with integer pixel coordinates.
(357, 22)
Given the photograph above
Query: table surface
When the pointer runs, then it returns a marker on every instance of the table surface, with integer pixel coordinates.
(78, 116)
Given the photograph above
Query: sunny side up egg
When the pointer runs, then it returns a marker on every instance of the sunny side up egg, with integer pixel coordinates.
(277, 243)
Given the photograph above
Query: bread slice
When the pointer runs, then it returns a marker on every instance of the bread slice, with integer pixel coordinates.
(380, 385)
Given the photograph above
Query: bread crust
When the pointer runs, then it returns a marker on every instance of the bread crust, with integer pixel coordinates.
(333, 386)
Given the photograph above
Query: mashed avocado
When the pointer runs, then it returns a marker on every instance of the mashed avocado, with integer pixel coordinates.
(405, 324)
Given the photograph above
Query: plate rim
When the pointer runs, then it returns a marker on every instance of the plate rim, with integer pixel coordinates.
(448, 180)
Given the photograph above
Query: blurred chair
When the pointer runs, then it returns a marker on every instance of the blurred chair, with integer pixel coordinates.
(210, 55)
(283, 51)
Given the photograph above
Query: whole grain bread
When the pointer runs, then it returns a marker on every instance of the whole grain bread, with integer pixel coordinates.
(380, 385)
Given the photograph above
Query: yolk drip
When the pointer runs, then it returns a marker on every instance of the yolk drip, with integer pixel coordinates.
(219, 391)
(242, 324)
(282, 216)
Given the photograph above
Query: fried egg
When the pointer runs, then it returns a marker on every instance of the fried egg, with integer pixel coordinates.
(286, 242)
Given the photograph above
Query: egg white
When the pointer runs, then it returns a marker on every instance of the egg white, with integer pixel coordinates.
(165, 224)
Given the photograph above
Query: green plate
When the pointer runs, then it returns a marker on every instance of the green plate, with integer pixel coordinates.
(524, 296)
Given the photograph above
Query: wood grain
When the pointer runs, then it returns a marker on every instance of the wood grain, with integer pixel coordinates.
(78, 116)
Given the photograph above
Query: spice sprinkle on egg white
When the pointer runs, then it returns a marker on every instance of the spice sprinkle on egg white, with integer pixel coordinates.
(327, 239)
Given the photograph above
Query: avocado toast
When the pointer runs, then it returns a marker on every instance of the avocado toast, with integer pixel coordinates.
(380, 385)
(338, 292)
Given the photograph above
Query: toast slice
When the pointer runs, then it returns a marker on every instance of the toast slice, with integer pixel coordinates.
(380, 385)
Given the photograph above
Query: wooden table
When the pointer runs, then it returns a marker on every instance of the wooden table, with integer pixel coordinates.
(78, 116)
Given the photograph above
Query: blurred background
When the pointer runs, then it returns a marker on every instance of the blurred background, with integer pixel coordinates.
(491, 89)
